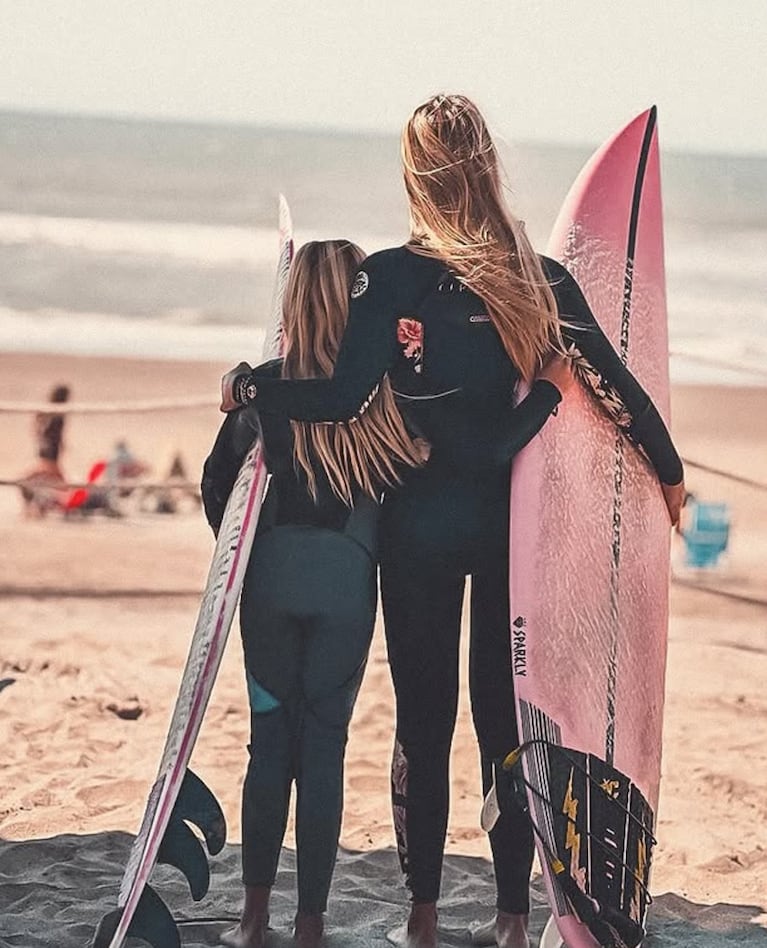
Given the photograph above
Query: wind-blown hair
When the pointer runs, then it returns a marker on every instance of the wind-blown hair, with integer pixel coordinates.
(458, 215)
(369, 451)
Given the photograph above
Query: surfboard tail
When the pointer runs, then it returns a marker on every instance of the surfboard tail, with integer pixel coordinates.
(596, 834)
(181, 848)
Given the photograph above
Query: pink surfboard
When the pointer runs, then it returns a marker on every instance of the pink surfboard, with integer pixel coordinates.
(590, 562)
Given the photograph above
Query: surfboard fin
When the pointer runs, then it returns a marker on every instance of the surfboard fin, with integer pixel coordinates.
(182, 849)
(180, 846)
(6, 682)
(152, 922)
(196, 804)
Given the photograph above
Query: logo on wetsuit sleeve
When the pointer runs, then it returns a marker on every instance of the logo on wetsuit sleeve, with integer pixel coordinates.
(361, 283)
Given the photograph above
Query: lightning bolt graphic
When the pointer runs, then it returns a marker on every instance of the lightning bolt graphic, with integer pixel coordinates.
(573, 838)
(636, 902)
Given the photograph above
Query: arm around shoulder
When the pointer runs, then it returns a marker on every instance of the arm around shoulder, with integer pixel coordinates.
(365, 355)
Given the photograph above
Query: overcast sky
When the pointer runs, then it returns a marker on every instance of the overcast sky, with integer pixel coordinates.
(551, 70)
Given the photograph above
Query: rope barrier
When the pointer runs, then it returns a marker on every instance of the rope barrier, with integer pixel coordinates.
(720, 363)
(722, 593)
(82, 592)
(48, 485)
(727, 475)
(207, 401)
(193, 485)
(108, 408)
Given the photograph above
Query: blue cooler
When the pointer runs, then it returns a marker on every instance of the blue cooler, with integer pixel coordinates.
(706, 533)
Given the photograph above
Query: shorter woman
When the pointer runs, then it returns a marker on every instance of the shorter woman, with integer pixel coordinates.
(309, 598)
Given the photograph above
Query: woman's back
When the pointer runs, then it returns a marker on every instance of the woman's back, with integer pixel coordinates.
(452, 377)
(288, 500)
(456, 384)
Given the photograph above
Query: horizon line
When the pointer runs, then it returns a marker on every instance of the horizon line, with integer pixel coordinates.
(309, 128)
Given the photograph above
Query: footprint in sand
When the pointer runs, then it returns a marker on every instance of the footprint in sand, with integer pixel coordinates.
(737, 861)
(103, 797)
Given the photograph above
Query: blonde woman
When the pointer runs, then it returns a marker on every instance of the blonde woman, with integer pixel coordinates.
(457, 317)
(309, 598)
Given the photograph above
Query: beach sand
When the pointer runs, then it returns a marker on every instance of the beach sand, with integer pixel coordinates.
(95, 618)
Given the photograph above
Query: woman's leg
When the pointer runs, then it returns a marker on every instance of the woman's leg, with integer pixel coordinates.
(433, 530)
(422, 611)
(320, 788)
(265, 799)
(266, 794)
(493, 710)
(271, 641)
(337, 634)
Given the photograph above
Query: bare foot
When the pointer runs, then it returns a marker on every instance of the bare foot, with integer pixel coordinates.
(308, 930)
(250, 936)
(240, 937)
(511, 930)
(420, 930)
(254, 924)
(483, 936)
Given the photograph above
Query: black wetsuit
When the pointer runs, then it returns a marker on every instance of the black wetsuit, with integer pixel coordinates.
(411, 318)
(305, 651)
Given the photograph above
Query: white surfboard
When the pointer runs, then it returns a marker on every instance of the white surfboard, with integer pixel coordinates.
(177, 796)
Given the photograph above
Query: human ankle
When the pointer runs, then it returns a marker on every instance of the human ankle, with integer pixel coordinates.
(254, 921)
(422, 925)
(308, 930)
(511, 930)
(255, 911)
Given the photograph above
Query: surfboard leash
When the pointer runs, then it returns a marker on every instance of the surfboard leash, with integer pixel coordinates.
(514, 756)
(207, 920)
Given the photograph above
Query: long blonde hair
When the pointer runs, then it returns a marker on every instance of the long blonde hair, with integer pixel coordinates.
(458, 215)
(367, 452)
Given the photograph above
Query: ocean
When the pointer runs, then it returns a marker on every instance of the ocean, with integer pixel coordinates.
(158, 239)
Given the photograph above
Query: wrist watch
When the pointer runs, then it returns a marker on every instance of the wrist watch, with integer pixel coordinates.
(244, 390)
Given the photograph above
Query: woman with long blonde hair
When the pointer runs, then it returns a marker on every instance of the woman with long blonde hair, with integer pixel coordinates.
(457, 317)
(305, 644)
